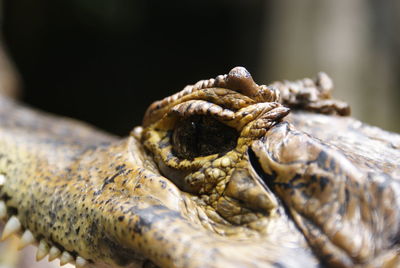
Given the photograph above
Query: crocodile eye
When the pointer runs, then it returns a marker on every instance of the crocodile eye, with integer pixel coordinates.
(200, 136)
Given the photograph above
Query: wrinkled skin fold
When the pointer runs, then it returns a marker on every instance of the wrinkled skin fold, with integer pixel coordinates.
(221, 174)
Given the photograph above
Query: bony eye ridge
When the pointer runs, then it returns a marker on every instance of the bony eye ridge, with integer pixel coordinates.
(200, 135)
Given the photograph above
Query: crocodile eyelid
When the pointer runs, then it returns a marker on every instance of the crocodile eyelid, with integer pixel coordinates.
(200, 107)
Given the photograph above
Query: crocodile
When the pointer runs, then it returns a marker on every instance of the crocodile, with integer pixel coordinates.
(225, 173)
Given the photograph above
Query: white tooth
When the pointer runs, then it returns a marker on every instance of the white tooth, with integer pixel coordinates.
(43, 250)
(54, 253)
(12, 226)
(65, 258)
(80, 262)
(26, 239)
(2, 179)
(3, 210)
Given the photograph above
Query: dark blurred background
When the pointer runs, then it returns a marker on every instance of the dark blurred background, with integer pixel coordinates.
(105, 61)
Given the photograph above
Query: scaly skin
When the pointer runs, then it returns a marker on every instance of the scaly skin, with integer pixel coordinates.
(218, 176)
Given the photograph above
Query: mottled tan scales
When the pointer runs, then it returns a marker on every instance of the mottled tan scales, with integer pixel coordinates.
(221, 174)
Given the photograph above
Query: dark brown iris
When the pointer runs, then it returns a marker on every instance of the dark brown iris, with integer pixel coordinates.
(202, 135)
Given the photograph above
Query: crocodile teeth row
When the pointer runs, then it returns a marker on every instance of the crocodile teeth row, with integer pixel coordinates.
(14, 225)
(53, 252)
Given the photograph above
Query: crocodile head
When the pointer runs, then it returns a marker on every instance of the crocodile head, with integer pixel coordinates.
(219, 175)
(200, 140)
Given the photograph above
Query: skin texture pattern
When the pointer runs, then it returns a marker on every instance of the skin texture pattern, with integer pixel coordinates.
(225, 173)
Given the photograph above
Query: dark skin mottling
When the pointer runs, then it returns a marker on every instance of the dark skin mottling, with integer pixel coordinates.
(219, 175)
